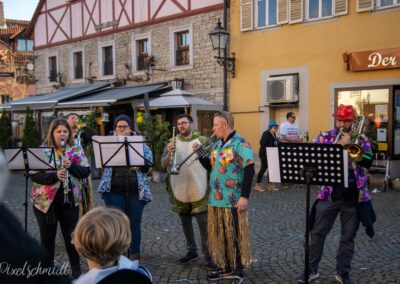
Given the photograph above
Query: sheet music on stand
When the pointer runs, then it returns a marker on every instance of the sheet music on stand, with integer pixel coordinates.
(119, 151)
(289, 159)
(306, 163)
(37, 158)
(28, 159)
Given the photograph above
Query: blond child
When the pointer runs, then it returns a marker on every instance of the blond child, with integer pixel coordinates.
(102, 236)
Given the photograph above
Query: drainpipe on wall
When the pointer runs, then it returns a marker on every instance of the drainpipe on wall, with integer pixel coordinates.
(225, 24)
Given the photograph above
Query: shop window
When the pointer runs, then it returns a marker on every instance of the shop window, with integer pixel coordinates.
(374, 105)
(318, 9)
(266, 13)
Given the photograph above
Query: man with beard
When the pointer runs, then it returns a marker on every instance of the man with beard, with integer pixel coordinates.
(188, 192)
(352, 203)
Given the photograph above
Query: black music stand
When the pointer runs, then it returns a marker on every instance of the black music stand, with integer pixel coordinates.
(30, 159)
(120, 151)
(305, 163)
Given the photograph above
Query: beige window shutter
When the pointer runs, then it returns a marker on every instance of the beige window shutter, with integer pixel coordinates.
(341, 7)
(246, 15)
(365, 5)
(282, 12)
(296, 11)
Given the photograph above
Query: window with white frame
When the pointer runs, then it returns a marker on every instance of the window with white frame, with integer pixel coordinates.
(107, 59)
(266, 13)
(52, 68)
(77, 65)
(318, 9)
(387, 3)
(141, 51)
(181, 46)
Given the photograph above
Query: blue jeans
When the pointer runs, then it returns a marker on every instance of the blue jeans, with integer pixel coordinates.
(133, 208)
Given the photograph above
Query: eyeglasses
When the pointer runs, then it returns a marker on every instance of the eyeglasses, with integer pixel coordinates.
(122, 126)
(183, 123)
(293, 117)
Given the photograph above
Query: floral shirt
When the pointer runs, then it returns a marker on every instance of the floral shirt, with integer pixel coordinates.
(228, 162)
(43, 195)
(361, 176)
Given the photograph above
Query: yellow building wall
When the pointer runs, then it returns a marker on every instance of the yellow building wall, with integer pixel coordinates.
(318, 45)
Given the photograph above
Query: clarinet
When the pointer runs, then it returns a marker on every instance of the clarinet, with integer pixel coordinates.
(66, 180)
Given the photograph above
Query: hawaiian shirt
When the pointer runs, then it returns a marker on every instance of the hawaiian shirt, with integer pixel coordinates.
(228, 162)
(43, 195)
(359, 172)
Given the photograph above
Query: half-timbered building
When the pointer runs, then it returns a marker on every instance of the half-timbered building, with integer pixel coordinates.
(127, 41)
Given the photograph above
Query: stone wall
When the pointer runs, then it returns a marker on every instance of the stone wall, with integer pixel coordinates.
(205, 78)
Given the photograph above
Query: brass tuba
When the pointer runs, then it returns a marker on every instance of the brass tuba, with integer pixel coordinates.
(202, 151)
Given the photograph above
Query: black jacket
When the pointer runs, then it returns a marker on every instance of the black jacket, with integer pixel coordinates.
(267, 140)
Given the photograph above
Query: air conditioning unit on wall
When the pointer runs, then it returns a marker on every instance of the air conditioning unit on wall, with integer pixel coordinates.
(283, 89)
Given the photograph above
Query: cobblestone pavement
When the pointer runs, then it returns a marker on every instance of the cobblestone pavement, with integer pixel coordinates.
(277, 236)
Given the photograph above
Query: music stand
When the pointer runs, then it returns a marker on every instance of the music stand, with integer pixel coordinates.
(28, 159)
(305, 163)
(120, 151)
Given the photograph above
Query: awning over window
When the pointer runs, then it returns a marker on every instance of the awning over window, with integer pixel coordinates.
(110, 96)
(50, 100)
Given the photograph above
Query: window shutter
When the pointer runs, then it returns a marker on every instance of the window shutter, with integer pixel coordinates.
(282, 12)
(246, 15)
(341, 7)
(365, 5)
(296, 11)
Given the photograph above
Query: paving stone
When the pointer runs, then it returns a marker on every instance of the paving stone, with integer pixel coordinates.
(277, 225)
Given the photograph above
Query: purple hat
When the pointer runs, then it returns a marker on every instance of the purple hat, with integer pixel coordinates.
(125, 118)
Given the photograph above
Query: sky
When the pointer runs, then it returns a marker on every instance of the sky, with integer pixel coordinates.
(19, 9)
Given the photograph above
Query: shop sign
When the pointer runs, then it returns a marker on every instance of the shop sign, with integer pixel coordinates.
(372, 60)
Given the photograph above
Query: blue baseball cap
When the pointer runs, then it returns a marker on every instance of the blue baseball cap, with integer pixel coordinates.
(272, 123)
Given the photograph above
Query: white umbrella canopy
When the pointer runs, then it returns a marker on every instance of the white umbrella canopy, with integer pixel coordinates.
(178, 98)
(178, 92)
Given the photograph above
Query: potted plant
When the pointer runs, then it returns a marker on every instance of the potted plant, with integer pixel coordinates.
(157, 133)
(5, 130)
(31, 133)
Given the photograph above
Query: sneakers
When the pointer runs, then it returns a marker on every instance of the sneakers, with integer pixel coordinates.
(343, 279)
(312, 276)
(219, 274)
(272, 187)
(191, 256)
(210, 264)
(259, 187)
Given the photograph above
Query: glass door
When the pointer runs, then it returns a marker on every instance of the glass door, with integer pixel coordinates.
(374, 105)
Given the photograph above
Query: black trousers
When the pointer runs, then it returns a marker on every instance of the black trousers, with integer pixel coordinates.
(264, 166)
(67, 216)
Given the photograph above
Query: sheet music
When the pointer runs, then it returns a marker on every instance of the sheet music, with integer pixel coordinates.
(106, 146)
(37, 158)
(18, 162)
(274, 174)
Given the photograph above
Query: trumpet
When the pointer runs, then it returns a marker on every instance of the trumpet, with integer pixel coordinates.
(174, 170)
(202, 151)
(66, 188)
